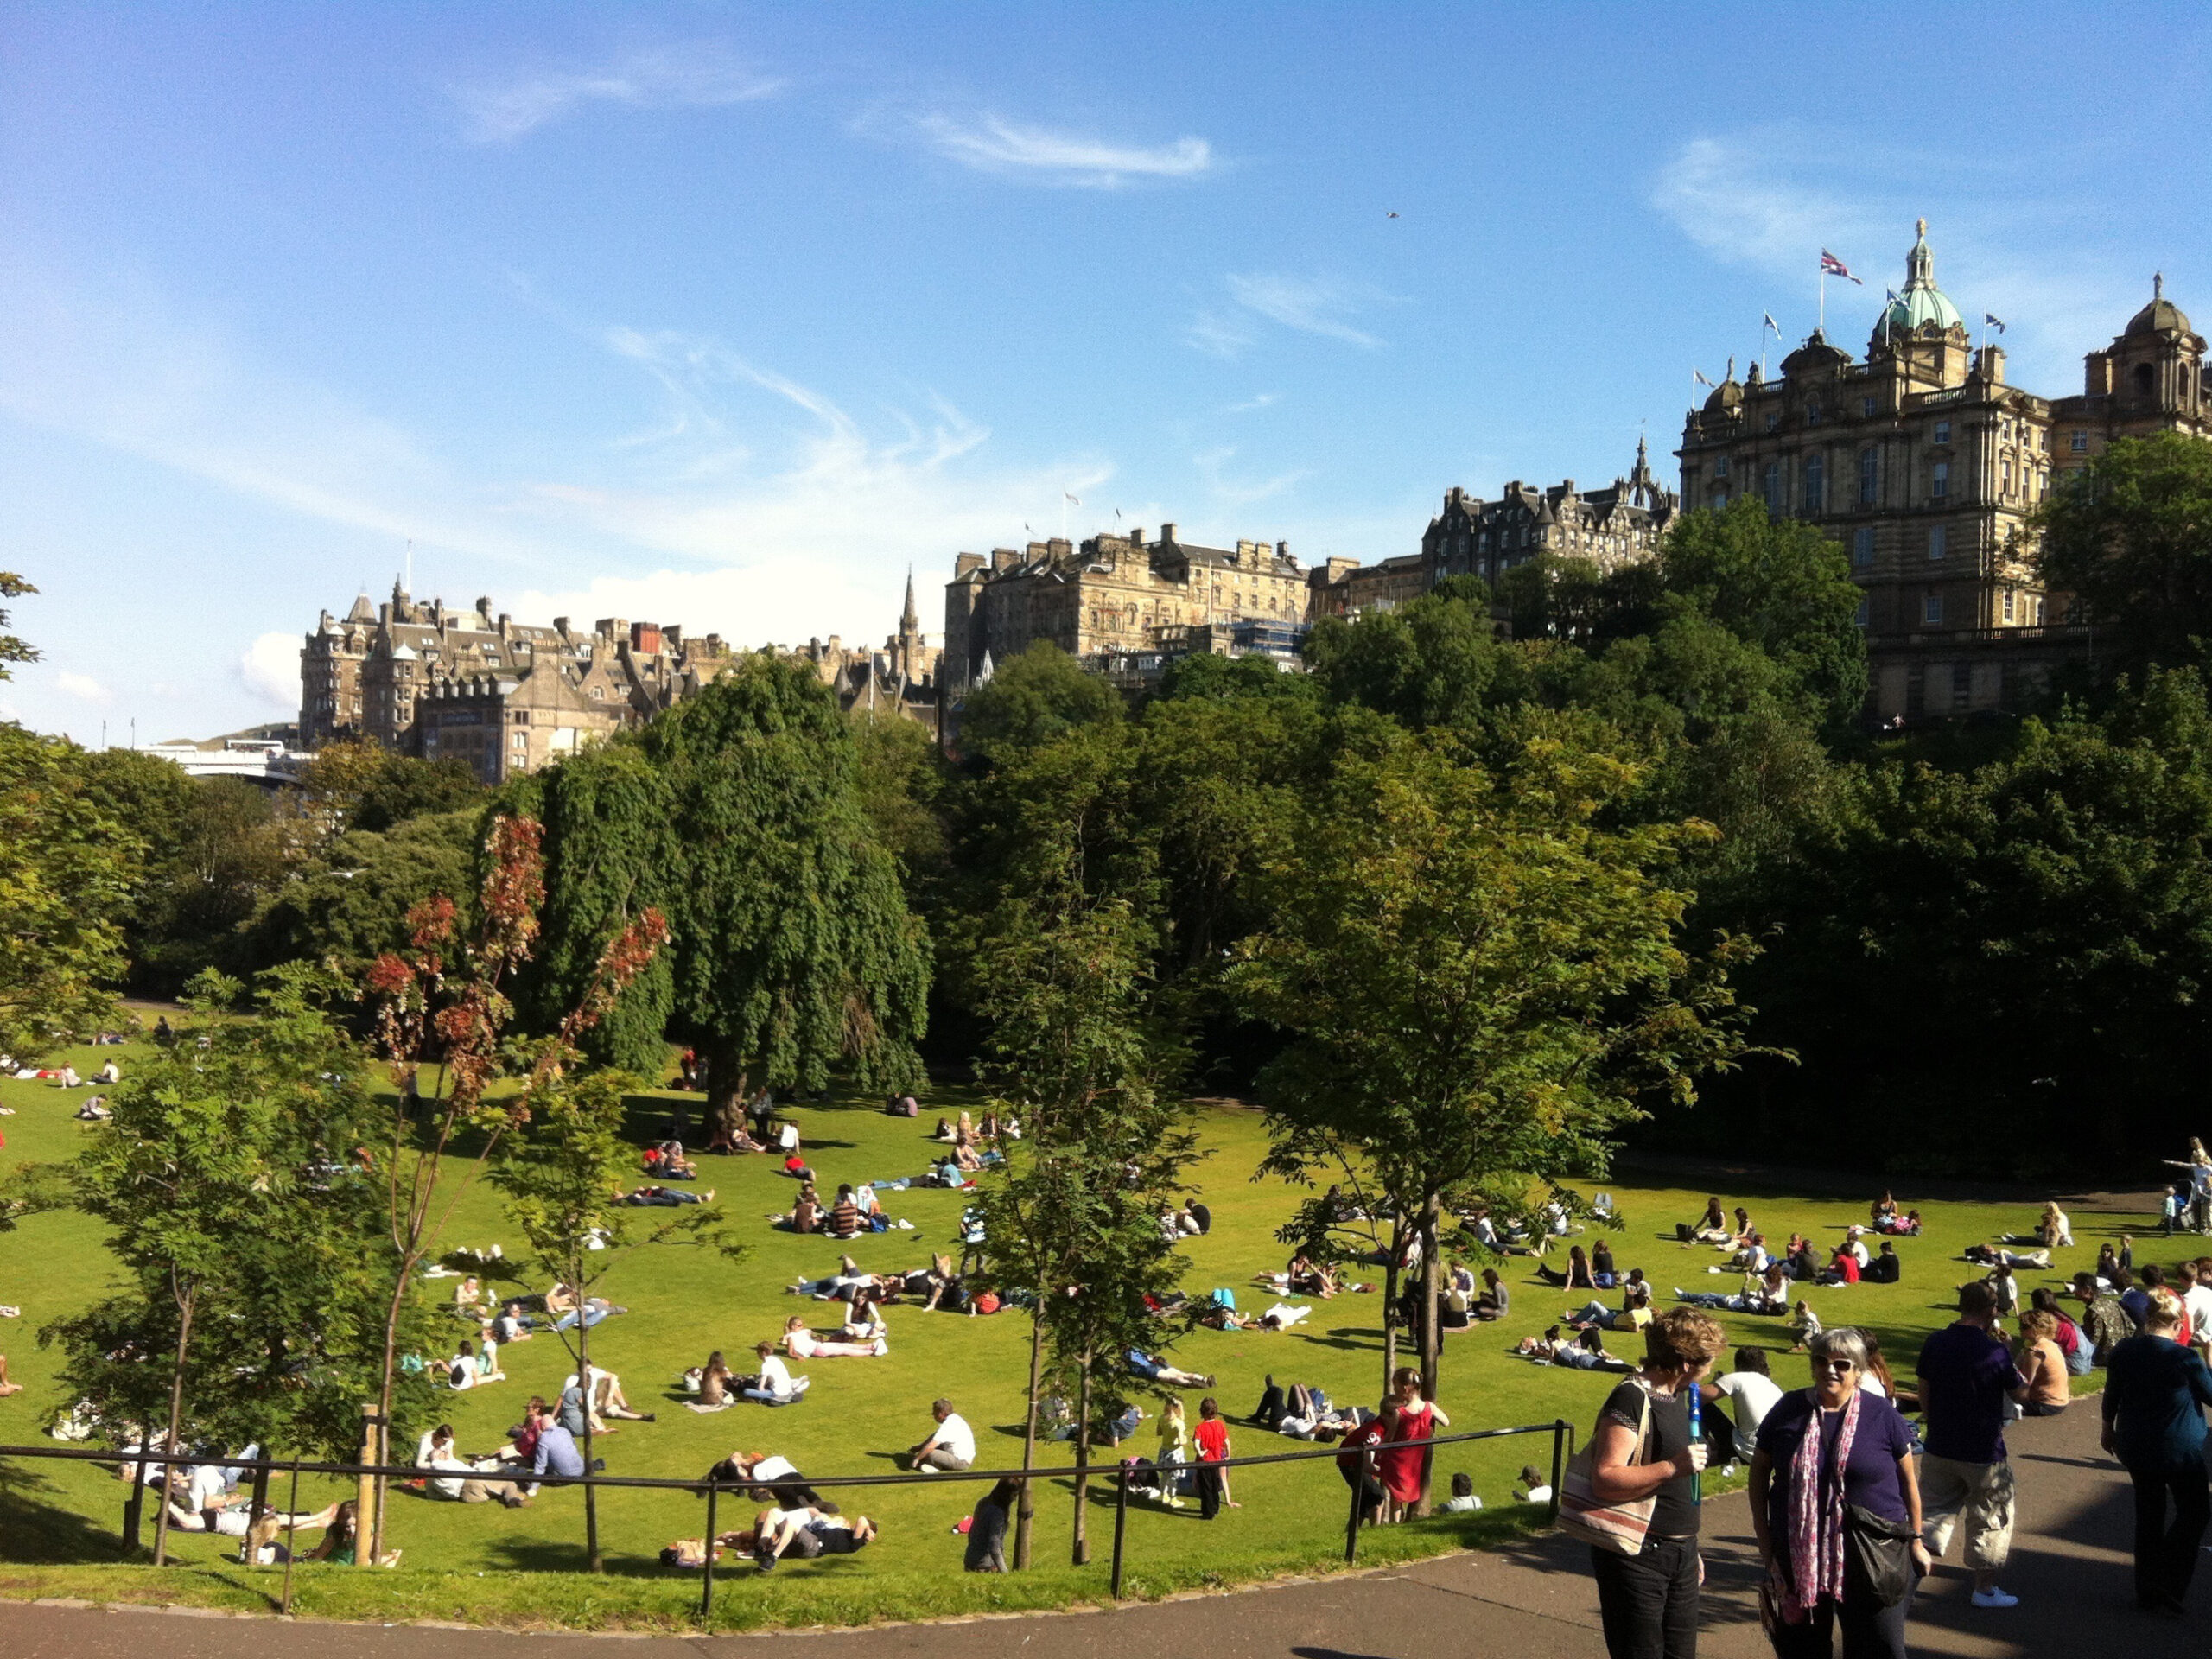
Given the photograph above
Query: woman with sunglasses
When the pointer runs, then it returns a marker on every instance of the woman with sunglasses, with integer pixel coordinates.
(1832, 1460)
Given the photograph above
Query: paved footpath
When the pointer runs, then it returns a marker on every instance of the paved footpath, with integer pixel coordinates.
(1535, 1601)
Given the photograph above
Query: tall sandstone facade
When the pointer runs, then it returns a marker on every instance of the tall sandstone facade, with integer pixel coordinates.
(1925, 464)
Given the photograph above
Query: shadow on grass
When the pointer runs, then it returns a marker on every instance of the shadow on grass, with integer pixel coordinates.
(35, 1531)
(1348, 1336)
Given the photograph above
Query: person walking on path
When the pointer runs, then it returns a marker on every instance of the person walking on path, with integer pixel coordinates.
(1967, 1374)
(1832, 1458)
(1649, 1601)
(2156, 1390)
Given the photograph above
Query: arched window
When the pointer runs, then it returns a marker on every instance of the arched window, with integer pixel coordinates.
(1816, 486)
(2145, 381)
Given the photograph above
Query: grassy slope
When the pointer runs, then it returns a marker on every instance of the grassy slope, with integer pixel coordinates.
(460, 1560)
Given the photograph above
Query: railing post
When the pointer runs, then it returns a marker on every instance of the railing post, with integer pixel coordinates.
(291, 1540)
(1360, 1474)
(368, 1534)
(706, 1587)
(1561, 1429)
(1121, 1524)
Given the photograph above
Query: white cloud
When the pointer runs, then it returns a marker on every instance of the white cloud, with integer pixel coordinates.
(700, 76)
(1735, 197)
(84, 688)
(270, 669)
(1213, 467)
(991, 145)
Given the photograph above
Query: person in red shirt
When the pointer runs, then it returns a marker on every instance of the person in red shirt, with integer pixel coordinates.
(1358, 1468)
(1212, 1438)
(1403, 1469)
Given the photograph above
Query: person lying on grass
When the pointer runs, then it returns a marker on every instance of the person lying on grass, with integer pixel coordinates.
(667, 1197)
(561, 1302)
(6, 1387)
(805, 1533)
(1633, 1314)
(802, 1343)
(764, 1477)
(1156, 1370)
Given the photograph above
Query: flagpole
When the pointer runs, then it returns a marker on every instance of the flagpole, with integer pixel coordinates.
(1824, 298)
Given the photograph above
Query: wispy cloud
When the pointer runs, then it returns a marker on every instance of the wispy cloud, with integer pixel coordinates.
(1310, 305)
(701, 76)
(1771, 200)
(992, 145)
(85, 688)
(1213, 467)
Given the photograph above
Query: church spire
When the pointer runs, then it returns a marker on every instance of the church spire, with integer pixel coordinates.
(909, 621)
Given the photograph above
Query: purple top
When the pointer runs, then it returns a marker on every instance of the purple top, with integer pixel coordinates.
(1870, 1479)
(1966, 1377)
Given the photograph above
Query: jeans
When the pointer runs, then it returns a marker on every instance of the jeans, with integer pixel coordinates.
(1649, 1602)
(592, 1317)
(1868, 1632)
(2165, 1552)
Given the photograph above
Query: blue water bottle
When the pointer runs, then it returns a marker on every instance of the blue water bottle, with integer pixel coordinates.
(1697, 1434)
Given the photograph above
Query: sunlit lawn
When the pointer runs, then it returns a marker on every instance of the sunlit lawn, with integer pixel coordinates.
(862, 1413)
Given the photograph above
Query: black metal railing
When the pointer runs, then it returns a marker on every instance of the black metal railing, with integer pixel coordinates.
(1561, 1433)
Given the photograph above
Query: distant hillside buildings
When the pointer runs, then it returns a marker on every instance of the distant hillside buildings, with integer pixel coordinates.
(1921, 460)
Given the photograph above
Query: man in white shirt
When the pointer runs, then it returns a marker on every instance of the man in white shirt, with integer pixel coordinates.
(775, 1386)
(2196, 1302)
(1855, 1242)
(951, 1446)
(1751, 1394)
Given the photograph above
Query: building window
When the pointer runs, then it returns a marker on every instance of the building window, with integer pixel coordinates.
(1943, 431)
(1719, 500)
(1816, 490)
(1772, 489)
(1939, 485)
(1869, 476)
(1865, 611)
(1773, 421)
(2039, 610)
(2008, 604)
(1931, 608)
(1862, 545)
(1939, 537)
(1720, 465)
(2081, 443)
(1866, 407)
(1812, 414)
(2005, 478)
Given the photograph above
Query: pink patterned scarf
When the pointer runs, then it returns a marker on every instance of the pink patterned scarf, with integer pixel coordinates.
(1816, 1566)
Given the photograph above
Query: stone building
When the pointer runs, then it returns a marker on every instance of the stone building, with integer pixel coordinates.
(900, 678)
(1112, 596)
(1473, 537)
(1925, 464)
(371, 674)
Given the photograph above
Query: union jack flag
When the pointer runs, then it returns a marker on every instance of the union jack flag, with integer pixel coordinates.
(1832, 266)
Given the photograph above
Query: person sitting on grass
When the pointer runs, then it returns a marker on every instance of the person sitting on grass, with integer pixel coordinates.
(338, 1541)
(1804, 1325)
(468, 1370)
(871, 1208)
(950, 1445)
(1885, 1268)
(2104, 1321)
(2054, 1231)
(800, 1343)
(608, 1400)
(1495, 1301)
(1761, 1293)
(1712, 1227)
(844, 1217)
(805, 1215)
(1158, 1370)
(1577, 1276)
(6, 1387)
(1843, 1268)
(1463, 1499)
(1306, 1276)
(986, 1529)
(666, 1197)
(716, 1382)
(1884, 1209)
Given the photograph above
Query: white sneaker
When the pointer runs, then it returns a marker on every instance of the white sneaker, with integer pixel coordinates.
(1993, 1597)
(925, 1469)
(882, 1347)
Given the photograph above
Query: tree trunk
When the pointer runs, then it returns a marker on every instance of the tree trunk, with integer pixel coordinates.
(1080, 1553)
(724, 1083)
(132, 1507)
(368, 1525)
(584, 1386)
(260, 1494)
(1025, 1511)
(1391, 1304)
(177, 1426)
(1431, 1333)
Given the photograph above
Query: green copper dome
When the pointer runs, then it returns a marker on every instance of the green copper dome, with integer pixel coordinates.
(1920, 302)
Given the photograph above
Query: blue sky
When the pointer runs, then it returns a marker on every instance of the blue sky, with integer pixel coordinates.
(727, 315)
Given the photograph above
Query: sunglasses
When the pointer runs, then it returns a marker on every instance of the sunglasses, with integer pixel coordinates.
(1834, 1365)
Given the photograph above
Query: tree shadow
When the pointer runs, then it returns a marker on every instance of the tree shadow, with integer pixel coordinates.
(35, 1531)
(549, 1555)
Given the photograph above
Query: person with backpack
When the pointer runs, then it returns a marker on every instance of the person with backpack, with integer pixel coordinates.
(1642, 1454)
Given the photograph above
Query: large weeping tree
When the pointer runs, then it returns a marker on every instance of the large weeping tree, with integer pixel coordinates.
(791, 947)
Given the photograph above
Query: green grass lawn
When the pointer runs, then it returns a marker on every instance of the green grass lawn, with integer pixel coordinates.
(59, 1521)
